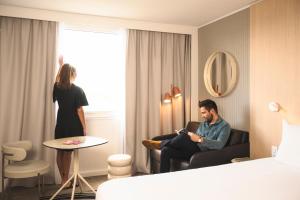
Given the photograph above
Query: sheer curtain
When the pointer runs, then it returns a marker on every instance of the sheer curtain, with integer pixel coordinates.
(155, 60)
(27, 67)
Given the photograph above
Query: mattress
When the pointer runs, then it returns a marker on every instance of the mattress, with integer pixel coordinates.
(257, 179)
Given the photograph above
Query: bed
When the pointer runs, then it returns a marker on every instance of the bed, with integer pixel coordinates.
(258, 179)
(268, 178)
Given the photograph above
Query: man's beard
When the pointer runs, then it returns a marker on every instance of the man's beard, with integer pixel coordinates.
(209, 119)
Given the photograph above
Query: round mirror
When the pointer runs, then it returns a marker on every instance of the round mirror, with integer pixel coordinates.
(220, 74)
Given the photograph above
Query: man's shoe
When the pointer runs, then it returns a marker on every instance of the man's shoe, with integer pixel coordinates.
(151, 144)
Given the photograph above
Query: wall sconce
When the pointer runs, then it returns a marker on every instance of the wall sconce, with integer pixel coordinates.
(285, 115)
(274, 106)
(175, 92)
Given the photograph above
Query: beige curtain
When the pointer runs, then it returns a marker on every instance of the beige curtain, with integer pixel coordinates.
(155, 60)
(27, 67)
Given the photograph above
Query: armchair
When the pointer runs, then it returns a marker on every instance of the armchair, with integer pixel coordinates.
(16, 166)
(237, 146)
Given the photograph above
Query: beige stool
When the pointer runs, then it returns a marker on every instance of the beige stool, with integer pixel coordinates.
(119, 166)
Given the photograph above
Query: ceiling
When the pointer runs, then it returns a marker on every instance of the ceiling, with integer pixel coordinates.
(183, 12)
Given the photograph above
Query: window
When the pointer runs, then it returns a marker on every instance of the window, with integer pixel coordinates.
(99, 61)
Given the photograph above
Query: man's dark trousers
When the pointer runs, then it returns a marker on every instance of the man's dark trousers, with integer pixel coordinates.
(179, 147)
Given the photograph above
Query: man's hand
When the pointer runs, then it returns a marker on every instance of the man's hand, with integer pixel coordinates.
(194, 137)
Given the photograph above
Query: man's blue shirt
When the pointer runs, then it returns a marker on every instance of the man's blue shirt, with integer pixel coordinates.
(215, 135)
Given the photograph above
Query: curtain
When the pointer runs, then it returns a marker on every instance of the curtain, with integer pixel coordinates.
(27, 67)
(155, 61)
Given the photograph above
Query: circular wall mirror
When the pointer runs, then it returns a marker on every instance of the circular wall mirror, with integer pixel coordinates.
(220, 74)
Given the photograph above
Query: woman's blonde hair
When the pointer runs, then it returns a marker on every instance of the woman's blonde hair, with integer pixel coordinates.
(66, 73)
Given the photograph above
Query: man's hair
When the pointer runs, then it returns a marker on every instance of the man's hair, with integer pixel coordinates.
(208, 105)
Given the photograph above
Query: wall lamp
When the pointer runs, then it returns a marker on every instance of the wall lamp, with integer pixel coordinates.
(175, 92)
(274, 106)
(291, 118)
(288, 116)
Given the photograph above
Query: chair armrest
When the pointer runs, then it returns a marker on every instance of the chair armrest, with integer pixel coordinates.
(13, 153)
(218, 157)
(165, 137)
(24, 144)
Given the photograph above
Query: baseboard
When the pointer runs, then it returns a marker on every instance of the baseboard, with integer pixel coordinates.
(89, 173)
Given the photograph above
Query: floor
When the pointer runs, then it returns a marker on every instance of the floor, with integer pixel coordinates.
(22, 193)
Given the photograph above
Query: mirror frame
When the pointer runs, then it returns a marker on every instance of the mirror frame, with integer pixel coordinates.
(207, 74)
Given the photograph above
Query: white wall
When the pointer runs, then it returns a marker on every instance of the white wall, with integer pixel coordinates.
(106, 125)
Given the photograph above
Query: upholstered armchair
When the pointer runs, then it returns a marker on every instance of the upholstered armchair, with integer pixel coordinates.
(16, 166)
(237, 146)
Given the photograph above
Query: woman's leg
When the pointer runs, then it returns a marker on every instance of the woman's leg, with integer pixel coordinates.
(59, 162)
(66, 164)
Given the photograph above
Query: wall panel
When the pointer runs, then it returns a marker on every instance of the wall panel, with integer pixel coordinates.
(274, 70)
(230, 34)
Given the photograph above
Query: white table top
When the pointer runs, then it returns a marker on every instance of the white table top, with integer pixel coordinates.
(85, 141)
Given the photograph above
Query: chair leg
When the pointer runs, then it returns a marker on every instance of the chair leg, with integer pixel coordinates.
(43, 184)
(8, 188)
(3, 191)
(3, 185)
(3, 174)
(39, 185)
(80, 185)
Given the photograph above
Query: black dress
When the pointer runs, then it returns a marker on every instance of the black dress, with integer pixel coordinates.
(68, 123)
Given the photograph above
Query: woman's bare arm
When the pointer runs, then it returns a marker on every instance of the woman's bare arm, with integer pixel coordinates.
(80, 113)
(57, 75)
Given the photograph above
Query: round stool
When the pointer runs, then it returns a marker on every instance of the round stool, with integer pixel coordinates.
(119, 165)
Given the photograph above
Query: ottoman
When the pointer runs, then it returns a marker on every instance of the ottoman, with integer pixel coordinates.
(119, 165)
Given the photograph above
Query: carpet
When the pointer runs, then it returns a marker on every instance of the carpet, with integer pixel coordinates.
(83, 196)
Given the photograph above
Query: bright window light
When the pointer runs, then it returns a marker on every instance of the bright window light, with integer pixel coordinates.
(99, 59)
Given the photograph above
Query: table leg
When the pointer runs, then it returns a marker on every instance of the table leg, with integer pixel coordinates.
(80, 185)
(64, 185)
(75, 176)
(74, 187)
(83, 180)
(76, 171)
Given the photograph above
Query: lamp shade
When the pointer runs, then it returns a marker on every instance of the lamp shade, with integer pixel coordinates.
(167, 98)
(176, 91)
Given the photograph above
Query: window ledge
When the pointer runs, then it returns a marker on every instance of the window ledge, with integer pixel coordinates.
(102, 115)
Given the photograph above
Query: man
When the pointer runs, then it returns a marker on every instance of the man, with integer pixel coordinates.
(213, 133)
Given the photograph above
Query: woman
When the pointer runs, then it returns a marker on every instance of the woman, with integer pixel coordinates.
(70, 117)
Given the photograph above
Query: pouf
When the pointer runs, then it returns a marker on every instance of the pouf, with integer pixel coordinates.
(119, 165)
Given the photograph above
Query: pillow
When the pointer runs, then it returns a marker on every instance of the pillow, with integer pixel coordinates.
(289, 148)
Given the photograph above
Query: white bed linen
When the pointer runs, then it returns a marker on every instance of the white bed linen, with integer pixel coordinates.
(259, 179)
